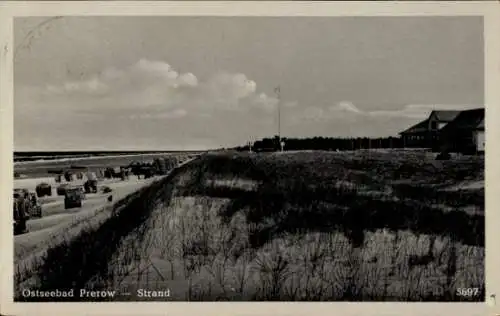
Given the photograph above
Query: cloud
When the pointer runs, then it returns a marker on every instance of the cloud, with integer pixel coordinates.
(91, 87)
(151, 103)
(341, 110)
(265, 102)
(188, 79)
(418, 111)
(411, 111)
(171, 114)
(152, 85)
(145, 100)
(345, 106)
(225, 85)
(313, 113)
(346, 114)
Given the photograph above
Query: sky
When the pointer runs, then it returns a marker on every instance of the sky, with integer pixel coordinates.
(182, 83)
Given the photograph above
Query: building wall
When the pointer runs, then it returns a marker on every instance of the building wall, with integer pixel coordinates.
(435, 125)
(480, 141)
(432, 123)
(422, 140)
(463, 141)
(415, 140)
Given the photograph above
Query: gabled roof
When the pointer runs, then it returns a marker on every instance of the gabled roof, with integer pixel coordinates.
(440, 128)
(481, 125)
(417, 128)
(468, 119)
(445, 116)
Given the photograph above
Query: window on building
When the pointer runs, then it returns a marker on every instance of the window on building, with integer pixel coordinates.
(433, 125)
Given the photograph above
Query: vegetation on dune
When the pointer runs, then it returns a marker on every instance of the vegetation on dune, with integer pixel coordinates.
(324, 191)
(301, 226)
(190, 249)
(310, 226)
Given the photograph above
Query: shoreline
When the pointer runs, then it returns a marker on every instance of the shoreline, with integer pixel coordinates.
(22, 163)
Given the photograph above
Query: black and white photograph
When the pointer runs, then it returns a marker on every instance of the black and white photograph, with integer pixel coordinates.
(249, 158)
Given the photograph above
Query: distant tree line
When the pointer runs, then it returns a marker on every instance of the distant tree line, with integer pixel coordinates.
(323, 143)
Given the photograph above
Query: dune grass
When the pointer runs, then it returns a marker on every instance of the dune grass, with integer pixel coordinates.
(304, 226)
(311, 226)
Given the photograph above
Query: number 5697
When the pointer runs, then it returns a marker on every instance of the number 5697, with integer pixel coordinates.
(468, 291)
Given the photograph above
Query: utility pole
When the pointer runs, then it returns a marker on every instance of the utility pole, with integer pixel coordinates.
(277, 90)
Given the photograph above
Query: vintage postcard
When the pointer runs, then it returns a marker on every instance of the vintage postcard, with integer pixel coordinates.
(250, 152)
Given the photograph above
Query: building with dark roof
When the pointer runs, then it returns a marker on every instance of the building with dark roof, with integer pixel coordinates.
(426, 133)
(465, 134)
